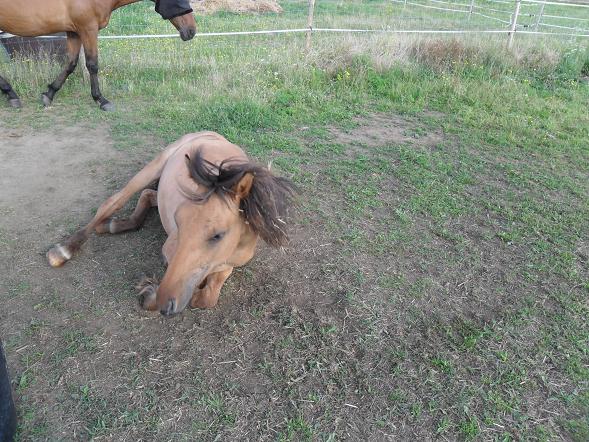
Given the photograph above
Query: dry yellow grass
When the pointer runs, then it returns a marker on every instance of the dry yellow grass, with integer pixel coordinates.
(237, 6)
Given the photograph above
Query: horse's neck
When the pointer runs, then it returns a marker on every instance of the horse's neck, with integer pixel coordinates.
(120, 3)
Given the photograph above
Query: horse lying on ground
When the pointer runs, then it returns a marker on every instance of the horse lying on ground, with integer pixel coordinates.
(213, 202)
(81, 20)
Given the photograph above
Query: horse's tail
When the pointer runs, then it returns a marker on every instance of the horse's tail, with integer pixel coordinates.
(7, 410)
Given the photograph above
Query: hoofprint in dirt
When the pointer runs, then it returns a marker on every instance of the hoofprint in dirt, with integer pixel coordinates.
(384, 319)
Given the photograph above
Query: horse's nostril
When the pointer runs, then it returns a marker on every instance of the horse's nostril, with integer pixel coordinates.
(170, 308)
(187, 34)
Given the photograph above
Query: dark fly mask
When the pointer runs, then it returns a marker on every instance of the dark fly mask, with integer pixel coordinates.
(170, 9)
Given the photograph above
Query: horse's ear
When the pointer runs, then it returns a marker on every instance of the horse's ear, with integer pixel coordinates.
(244, 186)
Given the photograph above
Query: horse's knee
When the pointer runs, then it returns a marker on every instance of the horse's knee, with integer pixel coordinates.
(92, 66)
(104, 227)
(71, 67)
(204, 298)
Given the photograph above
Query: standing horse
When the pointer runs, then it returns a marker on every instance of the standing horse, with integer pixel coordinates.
(213, 202)
(81, 20)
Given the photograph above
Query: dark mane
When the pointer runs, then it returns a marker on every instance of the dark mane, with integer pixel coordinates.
(265, 207)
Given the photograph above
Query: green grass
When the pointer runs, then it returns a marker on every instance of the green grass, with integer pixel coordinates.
(437, 286)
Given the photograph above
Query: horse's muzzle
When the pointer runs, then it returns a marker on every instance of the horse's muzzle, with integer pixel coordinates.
(170, 308)
(187, 34)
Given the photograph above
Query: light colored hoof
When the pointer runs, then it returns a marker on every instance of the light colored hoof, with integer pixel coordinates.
(58, 256)
(15, 102)
(108, 107)
(45, 100)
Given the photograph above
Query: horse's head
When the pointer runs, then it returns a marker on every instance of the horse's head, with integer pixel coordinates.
(218, 228)
(180, 15)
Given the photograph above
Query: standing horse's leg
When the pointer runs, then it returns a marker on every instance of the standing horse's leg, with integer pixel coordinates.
(90, 42)
(147, 200)
(73, 53)
(7, 89)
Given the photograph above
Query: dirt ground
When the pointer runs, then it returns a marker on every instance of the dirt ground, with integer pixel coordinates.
(319, 341)
(81, 324)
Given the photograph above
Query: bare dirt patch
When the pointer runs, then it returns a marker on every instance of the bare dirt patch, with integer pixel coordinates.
(46, 176)
(380, 129)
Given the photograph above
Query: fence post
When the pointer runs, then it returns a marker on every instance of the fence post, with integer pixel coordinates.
(471, 8)
(513, 25)
(539, 16)
(310, 23)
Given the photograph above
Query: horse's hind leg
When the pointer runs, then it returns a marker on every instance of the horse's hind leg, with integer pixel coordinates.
(90, 42)
(7, 89)
(60, 253)
(147, 200)
(73, 54)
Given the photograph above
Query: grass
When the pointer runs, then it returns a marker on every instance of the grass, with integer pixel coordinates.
(437, 281)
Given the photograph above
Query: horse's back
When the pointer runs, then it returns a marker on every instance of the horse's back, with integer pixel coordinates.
(175, 178)
(32, 18)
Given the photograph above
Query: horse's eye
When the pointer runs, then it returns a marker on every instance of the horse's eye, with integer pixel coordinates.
(217, 237)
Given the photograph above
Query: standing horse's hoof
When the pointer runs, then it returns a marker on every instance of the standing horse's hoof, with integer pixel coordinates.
(15, 103)
(107, 107)
(46, 100)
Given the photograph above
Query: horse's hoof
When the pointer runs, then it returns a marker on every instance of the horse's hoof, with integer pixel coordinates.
(46, 100)
(147, 293)
(58, 256)
(15, 103)
(107, 107)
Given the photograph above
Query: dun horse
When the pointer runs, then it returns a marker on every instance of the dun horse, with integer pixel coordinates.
(81, 20)
(214, 204)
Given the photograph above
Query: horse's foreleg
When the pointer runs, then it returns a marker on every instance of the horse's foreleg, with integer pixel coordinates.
(7, 89)
(147, 200)
(90, 42)
(73, 53)
(207, 295)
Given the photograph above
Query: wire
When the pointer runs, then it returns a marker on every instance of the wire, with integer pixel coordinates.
(435, 7)
(561, 27)
(492, 18)
(564, 17)
(338, 30)
(578, 5)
